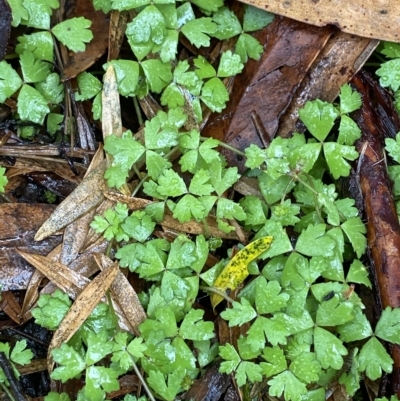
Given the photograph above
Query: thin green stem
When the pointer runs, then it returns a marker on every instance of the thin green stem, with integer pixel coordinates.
(141, 378)
(138, 186)
(138, 111)
(226, 146)
(217, 291)
(7, 391)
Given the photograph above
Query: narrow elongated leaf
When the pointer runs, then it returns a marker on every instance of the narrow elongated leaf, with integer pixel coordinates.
(82, 308)
(236, 270)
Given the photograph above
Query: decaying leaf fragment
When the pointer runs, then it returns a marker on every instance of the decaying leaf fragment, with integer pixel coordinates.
(377, 119)
(367, 18)
(236, 271)
(81, 309)
(123, 294)
(85, 197)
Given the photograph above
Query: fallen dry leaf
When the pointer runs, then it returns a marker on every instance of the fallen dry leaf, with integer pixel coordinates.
(81, 309)
(123, 294)
(10, 306)
(85, 197)
(64, 278)
(367, 18)
(19, 223)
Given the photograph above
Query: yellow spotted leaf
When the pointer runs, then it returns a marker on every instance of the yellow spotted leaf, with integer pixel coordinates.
(236, 271)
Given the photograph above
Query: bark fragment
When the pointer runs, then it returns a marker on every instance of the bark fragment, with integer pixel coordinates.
(382, 221)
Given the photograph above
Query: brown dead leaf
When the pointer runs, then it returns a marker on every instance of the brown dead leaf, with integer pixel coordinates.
(81, 61)
(123, 294)
(116, 34)
(111, 110)
(265, 88)
(10, 306)
(32, 290)
(81, 309)
(338, 61)
(84, 198)
(66, 279)
(19, 223)
(367, 18)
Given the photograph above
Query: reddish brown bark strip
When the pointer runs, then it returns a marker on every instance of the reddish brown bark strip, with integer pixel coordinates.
(382, 221)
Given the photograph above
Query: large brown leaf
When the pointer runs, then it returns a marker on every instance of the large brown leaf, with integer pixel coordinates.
(369, 18)
(19, 223)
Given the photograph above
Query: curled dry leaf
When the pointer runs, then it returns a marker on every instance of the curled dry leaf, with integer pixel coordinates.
(118, 20)
(81, 309)
(367, 18)
(124, 295)
(75, 234)
(10, 306)
(32, 290)
(84, 198)
(19, 223)
(65, 279)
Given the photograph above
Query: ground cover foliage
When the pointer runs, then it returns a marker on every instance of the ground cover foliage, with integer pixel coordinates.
(307, 331)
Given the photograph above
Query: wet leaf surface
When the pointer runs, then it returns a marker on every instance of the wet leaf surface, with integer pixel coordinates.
(19, 223)
(366, 18)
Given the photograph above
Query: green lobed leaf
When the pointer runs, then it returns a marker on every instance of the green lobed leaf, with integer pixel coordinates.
(328, 349)
(19, 12)
(392, 146)
(20, 354)
(318, 117)
(248, 47)
(10, 81)
(39, 12)
(269, 297)
(374, 358)
(306, 367)
(358, 274)
(167, 391)
(194, 328)
(53, 396)
(228, 24)
(51, 89)
(203, 68)
(39, 43)
(33, 70)
(32, 106)
(74, 33)
(314, 242)
(248, 372)
(348, 131)
(332, 312)
(98, 346)
(286, 383)
(357, 329)
(229, 65)
(3, 179)
(256, 18)
(389, 74)
(208, 5)
(214, 95)
(355, 230)
(336, 156)
(276, 361)
(51, 309)
(231, 358)
(158, 74)
(240, 313)
(197, 31)
(349, 100)
(71, 363)
(388, 326)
